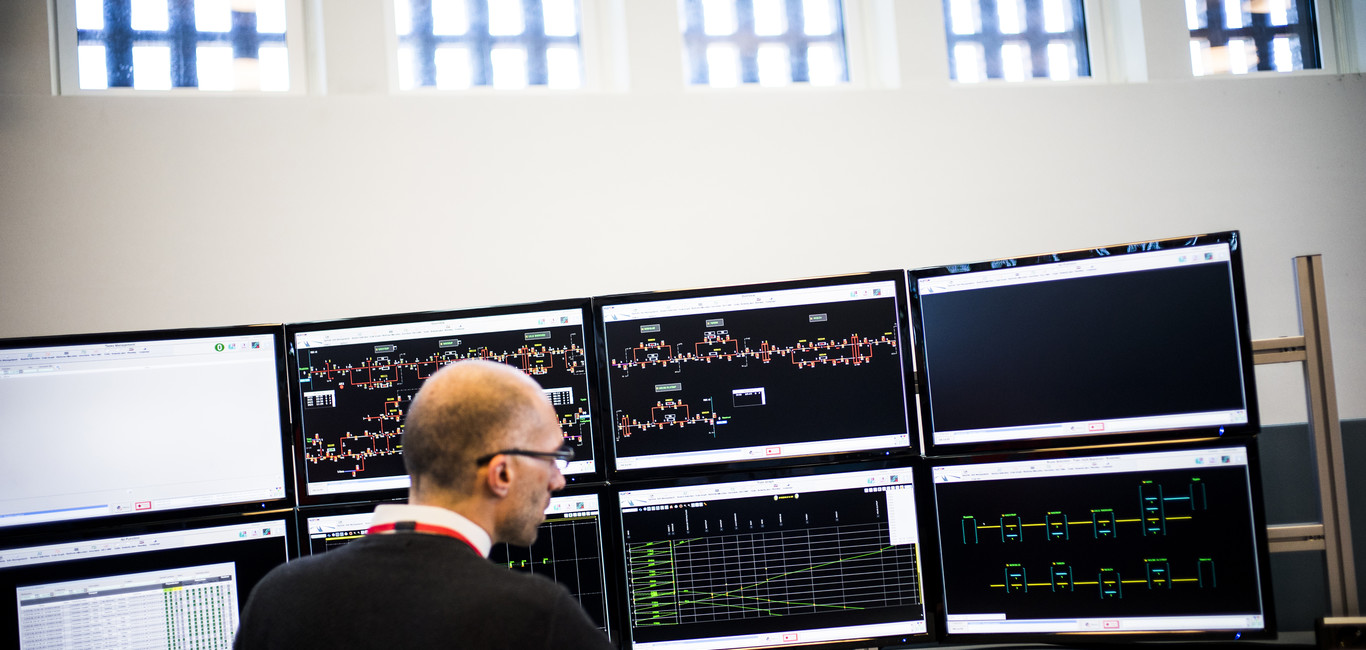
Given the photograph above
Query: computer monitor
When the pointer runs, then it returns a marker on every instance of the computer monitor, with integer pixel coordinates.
(786, 371)
(829, 558)
(137, 424)
(568, 547)
(1159, 543)
(328, 527)
(353, 380)
(569, 550)
(167, 585)
(1138, 342)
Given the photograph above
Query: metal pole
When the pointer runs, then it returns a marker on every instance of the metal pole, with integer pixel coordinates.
(1327, 432)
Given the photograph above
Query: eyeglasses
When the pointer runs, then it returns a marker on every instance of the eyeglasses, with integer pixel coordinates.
(561, 456)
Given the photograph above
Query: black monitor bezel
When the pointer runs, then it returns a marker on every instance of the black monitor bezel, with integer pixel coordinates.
(275, 330)
(907, 374)
(928, 553)
(1260, 539)
(95, 533)
(1231, 238)
(292, 329)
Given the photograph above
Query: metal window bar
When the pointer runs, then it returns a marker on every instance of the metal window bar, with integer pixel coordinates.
(425, 42)
(118, 37)
(992, 39)
(1334, 535)
(1262, 32)
(696, 40)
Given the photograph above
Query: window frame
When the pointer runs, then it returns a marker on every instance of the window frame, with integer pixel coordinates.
(751, 43)
(872, 57)
(1135, 35)
(1323, 46)
(1095, 31)
(596, 21)
(66, 75)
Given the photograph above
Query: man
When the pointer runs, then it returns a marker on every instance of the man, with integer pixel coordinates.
(480, 442)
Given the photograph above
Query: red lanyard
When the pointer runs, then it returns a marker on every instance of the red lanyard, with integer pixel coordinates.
(418, 527)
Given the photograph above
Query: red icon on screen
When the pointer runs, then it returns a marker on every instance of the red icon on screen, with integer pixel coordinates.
(773, 451)
(790, 637)
(142, 505)
(1096, 426)
(1111, 625)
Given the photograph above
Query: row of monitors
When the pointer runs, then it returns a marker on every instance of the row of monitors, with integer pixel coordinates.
(1142, 342)
(1166, 544)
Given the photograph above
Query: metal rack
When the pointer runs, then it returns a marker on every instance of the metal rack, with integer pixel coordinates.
(1334, 535)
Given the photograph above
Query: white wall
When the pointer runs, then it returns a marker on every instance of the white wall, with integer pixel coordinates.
(151, 212)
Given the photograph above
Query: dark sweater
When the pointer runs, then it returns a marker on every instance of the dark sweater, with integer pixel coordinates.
(411, 590)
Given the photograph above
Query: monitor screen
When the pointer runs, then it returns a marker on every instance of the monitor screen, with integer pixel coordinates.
(173, 586)
(107, 425)
(787, 561)
(761, 372)
(568, 550)
(328, 527)
(568, 547)
(1144, 341)
(1169, 541)
(355, 377)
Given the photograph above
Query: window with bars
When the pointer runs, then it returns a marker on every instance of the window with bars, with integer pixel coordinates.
(767, 42)
(166, 44)
(1238, 37)
(1016, 39)
(461, 44)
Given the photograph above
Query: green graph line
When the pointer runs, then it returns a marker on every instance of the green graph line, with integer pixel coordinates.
(709, 598)
(658, 571)
(751, 609)
(810, 568)
(757, 598)
(666, 542)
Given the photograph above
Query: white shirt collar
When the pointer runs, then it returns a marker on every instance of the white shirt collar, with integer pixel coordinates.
(389, 513)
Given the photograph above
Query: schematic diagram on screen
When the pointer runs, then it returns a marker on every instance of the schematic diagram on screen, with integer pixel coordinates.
(354, 397)
(1163, 541)
(771, 376)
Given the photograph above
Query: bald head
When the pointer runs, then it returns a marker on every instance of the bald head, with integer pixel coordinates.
(466, 410)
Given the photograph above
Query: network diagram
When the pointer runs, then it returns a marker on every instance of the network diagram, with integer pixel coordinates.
(354, 397)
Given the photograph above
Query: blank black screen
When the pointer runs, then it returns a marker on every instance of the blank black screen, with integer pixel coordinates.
(1143, 343)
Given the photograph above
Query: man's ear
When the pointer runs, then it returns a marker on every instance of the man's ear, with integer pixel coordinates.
(498, 476)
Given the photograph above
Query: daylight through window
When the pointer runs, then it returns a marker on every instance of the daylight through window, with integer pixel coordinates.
(165, 44)
(1242, 36)
(1016, 40)
(505, 44)
(766, 42)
